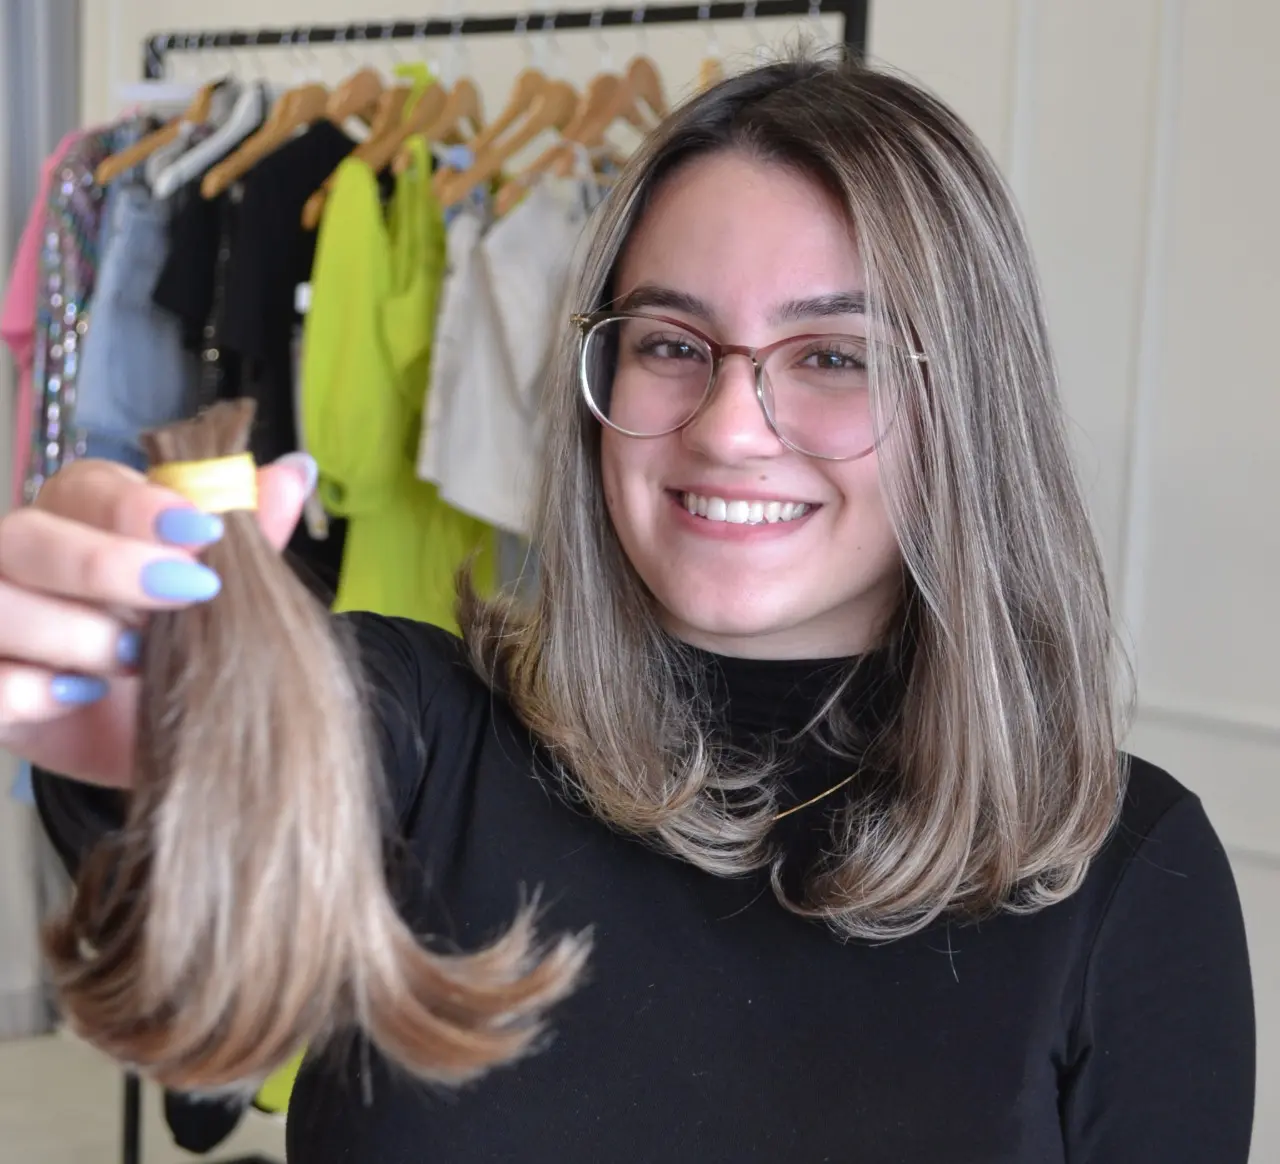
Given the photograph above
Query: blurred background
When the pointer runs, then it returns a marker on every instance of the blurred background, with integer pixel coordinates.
(1140, 138)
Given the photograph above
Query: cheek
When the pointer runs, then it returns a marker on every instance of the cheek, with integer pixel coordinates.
(871, 537)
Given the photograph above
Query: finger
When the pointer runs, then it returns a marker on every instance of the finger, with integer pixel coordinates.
(63, 635)
(118, 499)
(283, 489)
(56, 555)
(90, 741)
(35, 695)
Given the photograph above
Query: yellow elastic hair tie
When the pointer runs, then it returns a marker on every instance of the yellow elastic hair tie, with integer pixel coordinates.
(217, 485)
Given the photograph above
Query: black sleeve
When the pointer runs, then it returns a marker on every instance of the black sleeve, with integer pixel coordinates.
(1165, 1069)
(400, 677)
(75, 816)
(400, 682)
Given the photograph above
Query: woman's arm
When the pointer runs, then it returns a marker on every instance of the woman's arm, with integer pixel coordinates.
(1165, 1063)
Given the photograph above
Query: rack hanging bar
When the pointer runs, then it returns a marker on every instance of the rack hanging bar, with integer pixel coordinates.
(158, 46)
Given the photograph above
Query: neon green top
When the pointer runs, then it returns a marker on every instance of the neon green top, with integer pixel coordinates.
(365, 362)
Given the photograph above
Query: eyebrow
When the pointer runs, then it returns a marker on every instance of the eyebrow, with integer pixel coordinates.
(821, 307)
(649, 295)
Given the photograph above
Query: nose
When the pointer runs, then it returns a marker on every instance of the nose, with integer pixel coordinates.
(732, 426)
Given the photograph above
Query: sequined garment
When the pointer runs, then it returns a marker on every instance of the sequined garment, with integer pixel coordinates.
(68, 267)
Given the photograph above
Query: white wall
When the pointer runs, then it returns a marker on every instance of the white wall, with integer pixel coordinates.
(1139, 135)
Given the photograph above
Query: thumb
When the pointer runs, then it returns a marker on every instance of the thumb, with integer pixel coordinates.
(283, 488)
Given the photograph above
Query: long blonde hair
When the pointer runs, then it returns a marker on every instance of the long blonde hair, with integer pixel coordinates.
(1006, 770)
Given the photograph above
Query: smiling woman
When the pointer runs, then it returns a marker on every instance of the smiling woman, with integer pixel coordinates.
(820, 620)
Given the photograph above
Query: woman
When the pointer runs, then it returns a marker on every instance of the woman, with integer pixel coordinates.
(821, 621)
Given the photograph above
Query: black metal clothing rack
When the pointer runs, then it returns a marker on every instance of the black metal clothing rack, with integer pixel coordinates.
(158, 47)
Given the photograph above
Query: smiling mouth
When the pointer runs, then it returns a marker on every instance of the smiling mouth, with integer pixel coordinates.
(736, 511)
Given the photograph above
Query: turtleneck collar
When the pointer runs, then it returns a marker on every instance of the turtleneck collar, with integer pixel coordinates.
(756, 698)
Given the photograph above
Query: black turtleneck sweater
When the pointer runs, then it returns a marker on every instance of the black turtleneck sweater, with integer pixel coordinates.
(718, 1028)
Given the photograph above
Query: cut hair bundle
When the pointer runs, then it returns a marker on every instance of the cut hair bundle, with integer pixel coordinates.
(243, 911)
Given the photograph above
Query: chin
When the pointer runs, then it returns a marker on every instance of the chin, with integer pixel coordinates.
(717, 624)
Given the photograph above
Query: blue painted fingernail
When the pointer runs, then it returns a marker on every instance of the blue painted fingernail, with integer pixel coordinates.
(189, 527)
(77, 690)
(179, 581)
(129, 648)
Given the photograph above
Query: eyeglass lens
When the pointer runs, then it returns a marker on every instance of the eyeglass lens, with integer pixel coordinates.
(648, 377)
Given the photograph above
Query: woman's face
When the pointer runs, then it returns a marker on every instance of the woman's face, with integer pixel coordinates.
(753, 249)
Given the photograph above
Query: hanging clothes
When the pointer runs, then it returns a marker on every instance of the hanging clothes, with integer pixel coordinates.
(501, 315)
(135, 373)
(366, 351)
(19, 311)
(68, 268)
(192, 284)
(270, 257)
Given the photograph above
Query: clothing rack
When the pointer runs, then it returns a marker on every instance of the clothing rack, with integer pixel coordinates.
(158, 47)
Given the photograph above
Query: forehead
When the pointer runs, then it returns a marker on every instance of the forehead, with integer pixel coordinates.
(728, 226)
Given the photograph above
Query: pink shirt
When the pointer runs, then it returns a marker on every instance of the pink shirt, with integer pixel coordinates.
(18, 313)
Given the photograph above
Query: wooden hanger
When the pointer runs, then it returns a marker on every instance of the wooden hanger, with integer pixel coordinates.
(553, 107)
(529, 83)
(607, 98)
(461, 105)
(296, 109)
(197, 113)
(710, 72)
(525, 90)
(390, 108)
(357, 96)
(384, 150)
(251, 108)
(646, 84)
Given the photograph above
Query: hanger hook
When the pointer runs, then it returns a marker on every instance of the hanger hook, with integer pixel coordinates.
(340, 43)
(602, 42)
(521, 31)
(309, 56)
(286, 43)
(388, 38)
(555, 58)
(757, 37)
(713, 40)
(458, 58)
(259, 69)
(642, 29)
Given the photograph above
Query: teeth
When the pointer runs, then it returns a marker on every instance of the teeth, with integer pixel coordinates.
(743, 512)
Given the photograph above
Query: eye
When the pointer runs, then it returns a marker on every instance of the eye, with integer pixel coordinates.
(835, 356)
(670, 347)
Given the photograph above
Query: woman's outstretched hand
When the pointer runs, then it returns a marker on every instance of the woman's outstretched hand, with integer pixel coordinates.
(80, 570)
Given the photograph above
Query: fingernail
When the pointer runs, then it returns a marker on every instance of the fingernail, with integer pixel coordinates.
(189, 527)
(178, 581)
(129, 648)
(305, 466)
(77, 690)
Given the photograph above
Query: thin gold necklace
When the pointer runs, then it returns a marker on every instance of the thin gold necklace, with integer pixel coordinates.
(814, 800)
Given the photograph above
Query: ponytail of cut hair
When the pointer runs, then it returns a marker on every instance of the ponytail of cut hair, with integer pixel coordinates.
(243, 911)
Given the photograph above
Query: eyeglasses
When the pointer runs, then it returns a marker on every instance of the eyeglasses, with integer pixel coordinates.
(647, 375)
